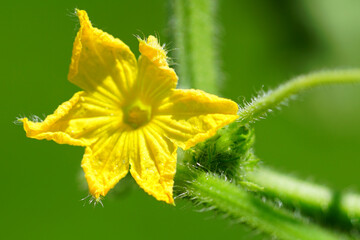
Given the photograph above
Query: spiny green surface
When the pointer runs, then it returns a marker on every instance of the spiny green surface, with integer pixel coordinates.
(228, 153)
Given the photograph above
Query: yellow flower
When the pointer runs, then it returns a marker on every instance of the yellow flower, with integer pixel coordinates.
(129, 113)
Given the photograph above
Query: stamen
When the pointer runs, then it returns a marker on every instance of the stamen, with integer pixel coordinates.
(137, 114)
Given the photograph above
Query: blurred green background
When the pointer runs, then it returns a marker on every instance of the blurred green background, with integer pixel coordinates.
(262, 44)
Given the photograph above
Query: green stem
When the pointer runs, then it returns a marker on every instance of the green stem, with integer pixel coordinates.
(212, 191)
(342, 209)
(261, 105)
(196, 57)
(194, 39)
(179, 37)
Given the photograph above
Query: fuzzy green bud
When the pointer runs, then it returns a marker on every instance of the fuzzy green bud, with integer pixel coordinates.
(228, 153)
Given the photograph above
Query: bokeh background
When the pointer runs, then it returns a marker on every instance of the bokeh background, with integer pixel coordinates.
(262, 44)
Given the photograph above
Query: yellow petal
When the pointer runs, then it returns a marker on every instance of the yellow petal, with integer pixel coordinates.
(155, 79)
(191, 116)
(79, 121)
(152, 50)
(101, 63)
(105, 162)
(153, 162)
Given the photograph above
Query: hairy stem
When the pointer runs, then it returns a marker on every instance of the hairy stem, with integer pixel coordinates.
(216, 193)
(261, 105)
(193, 28)
(326, 205)
(194, 39)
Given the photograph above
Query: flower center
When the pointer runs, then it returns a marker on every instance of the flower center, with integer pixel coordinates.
(137, 114)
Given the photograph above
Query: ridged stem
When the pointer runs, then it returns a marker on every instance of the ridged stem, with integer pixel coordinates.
(217, 194)
(320, 202)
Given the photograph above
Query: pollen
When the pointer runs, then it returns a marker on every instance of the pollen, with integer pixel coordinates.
(137, 114)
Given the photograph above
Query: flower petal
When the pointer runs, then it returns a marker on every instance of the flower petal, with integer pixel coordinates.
(101, 63)
(105, 162)
(153, 162)
(155, 79)
(191, 116)
(152, 50)
(79, 121)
